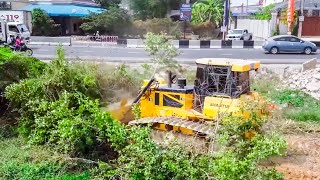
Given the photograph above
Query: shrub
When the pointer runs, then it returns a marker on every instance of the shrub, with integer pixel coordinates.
(14, 68)
(300, 106)
(204, 30)
(19, 161)
(237, 157)
(62, 110)
(156, 26)
(114, 21)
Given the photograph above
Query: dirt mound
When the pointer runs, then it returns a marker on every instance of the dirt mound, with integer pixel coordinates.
(303, 158)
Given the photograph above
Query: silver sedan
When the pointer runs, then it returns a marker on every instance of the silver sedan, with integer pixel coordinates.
(288, 43)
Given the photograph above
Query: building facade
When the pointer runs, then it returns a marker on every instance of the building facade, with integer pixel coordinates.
(67, 13)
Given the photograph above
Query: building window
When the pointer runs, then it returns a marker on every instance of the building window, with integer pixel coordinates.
(305, 12)
(315, 12)
(5, 5)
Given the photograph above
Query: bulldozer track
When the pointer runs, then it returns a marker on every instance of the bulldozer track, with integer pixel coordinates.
(197, 126)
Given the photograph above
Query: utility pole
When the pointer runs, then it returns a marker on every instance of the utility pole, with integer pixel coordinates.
(226, 18)
(301, 18)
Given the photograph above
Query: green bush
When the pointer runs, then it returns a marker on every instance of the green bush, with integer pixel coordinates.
(292, 97)
(301, 106)
(19, 161)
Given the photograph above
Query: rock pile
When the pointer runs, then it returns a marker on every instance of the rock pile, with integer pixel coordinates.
(307, 81)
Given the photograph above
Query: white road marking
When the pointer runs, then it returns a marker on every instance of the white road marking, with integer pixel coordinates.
(226, 54)
(43, 50)
(133, 52)
(88, 51)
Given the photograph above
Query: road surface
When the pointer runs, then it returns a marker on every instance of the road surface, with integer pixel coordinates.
(114, 54)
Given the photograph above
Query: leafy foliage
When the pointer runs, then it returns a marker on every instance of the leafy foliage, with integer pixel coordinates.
(301, 106)
(161, 51)
(236, 158)
(148, 9)
(61, 111)
(207, 10)
(265, 13)
(42, 24)
(18, 161)
(108, 3)
(13, 68)
(114, 21)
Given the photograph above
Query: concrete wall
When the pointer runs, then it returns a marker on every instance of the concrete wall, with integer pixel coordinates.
(260, 29)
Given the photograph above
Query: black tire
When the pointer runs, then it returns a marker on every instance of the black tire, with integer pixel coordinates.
(241, 38)
(307, 50)
(29, 52)
(250, 38)
(274, 50)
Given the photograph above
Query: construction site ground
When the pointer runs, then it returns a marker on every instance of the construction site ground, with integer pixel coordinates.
(302, 160)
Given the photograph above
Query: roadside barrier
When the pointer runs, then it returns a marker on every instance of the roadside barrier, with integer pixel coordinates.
(110, 39)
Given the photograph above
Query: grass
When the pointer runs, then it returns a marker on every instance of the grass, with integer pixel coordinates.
(295, 104)
(20, 161)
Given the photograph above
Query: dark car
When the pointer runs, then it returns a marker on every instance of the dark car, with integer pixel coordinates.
(288, 43)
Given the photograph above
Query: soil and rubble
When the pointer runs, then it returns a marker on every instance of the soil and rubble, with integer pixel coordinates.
(307, 81)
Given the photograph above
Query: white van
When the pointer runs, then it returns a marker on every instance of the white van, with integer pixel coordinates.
(14, 28)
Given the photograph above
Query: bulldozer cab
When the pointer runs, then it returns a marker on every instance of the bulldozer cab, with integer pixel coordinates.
(227, 78)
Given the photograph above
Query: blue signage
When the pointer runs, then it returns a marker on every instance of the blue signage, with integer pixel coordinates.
(185, 12)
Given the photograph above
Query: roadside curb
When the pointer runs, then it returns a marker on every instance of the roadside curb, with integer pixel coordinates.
(197, 44)
(144, 60)
(180, 44)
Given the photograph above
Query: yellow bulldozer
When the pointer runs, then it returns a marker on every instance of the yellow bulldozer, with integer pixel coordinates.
(221, 87)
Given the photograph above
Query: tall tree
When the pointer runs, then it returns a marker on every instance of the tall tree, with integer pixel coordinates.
(43, 25)
(108, 3)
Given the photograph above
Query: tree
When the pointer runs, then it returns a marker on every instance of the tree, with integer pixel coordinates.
(265, 13)
(114, 21)
(42, 24)
(207, 10)
(108, 3)
(148, 9)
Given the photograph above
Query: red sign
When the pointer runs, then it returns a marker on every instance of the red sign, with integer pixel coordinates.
(10, 17)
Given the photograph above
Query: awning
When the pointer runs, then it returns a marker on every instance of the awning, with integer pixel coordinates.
(65, 9)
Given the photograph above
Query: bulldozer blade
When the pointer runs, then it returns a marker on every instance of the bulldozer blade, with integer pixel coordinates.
(122, 111)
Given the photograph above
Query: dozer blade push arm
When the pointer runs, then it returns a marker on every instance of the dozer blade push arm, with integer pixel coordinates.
(137, 99)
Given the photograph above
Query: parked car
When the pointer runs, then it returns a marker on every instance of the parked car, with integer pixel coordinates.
(288, 43)
(239, 34)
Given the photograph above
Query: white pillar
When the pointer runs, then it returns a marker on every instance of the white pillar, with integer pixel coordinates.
(273, 22)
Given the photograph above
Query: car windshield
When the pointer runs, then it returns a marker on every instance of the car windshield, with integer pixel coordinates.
(23, 28)
(235, 31)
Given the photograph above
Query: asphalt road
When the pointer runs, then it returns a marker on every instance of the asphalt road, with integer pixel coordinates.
(114, 54)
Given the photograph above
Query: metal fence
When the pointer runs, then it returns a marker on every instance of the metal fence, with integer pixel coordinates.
(109, 39)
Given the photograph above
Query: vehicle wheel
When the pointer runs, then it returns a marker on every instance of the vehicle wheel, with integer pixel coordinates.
(29, 52)
(250, 38)
(241, 38)
(274, 50)
(307, 50)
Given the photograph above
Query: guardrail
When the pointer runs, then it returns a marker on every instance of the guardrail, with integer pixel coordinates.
(110, 39)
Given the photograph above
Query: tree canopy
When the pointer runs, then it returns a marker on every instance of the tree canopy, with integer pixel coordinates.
(113, 21)
(265, 13)
(108, 3)
(43, 24)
